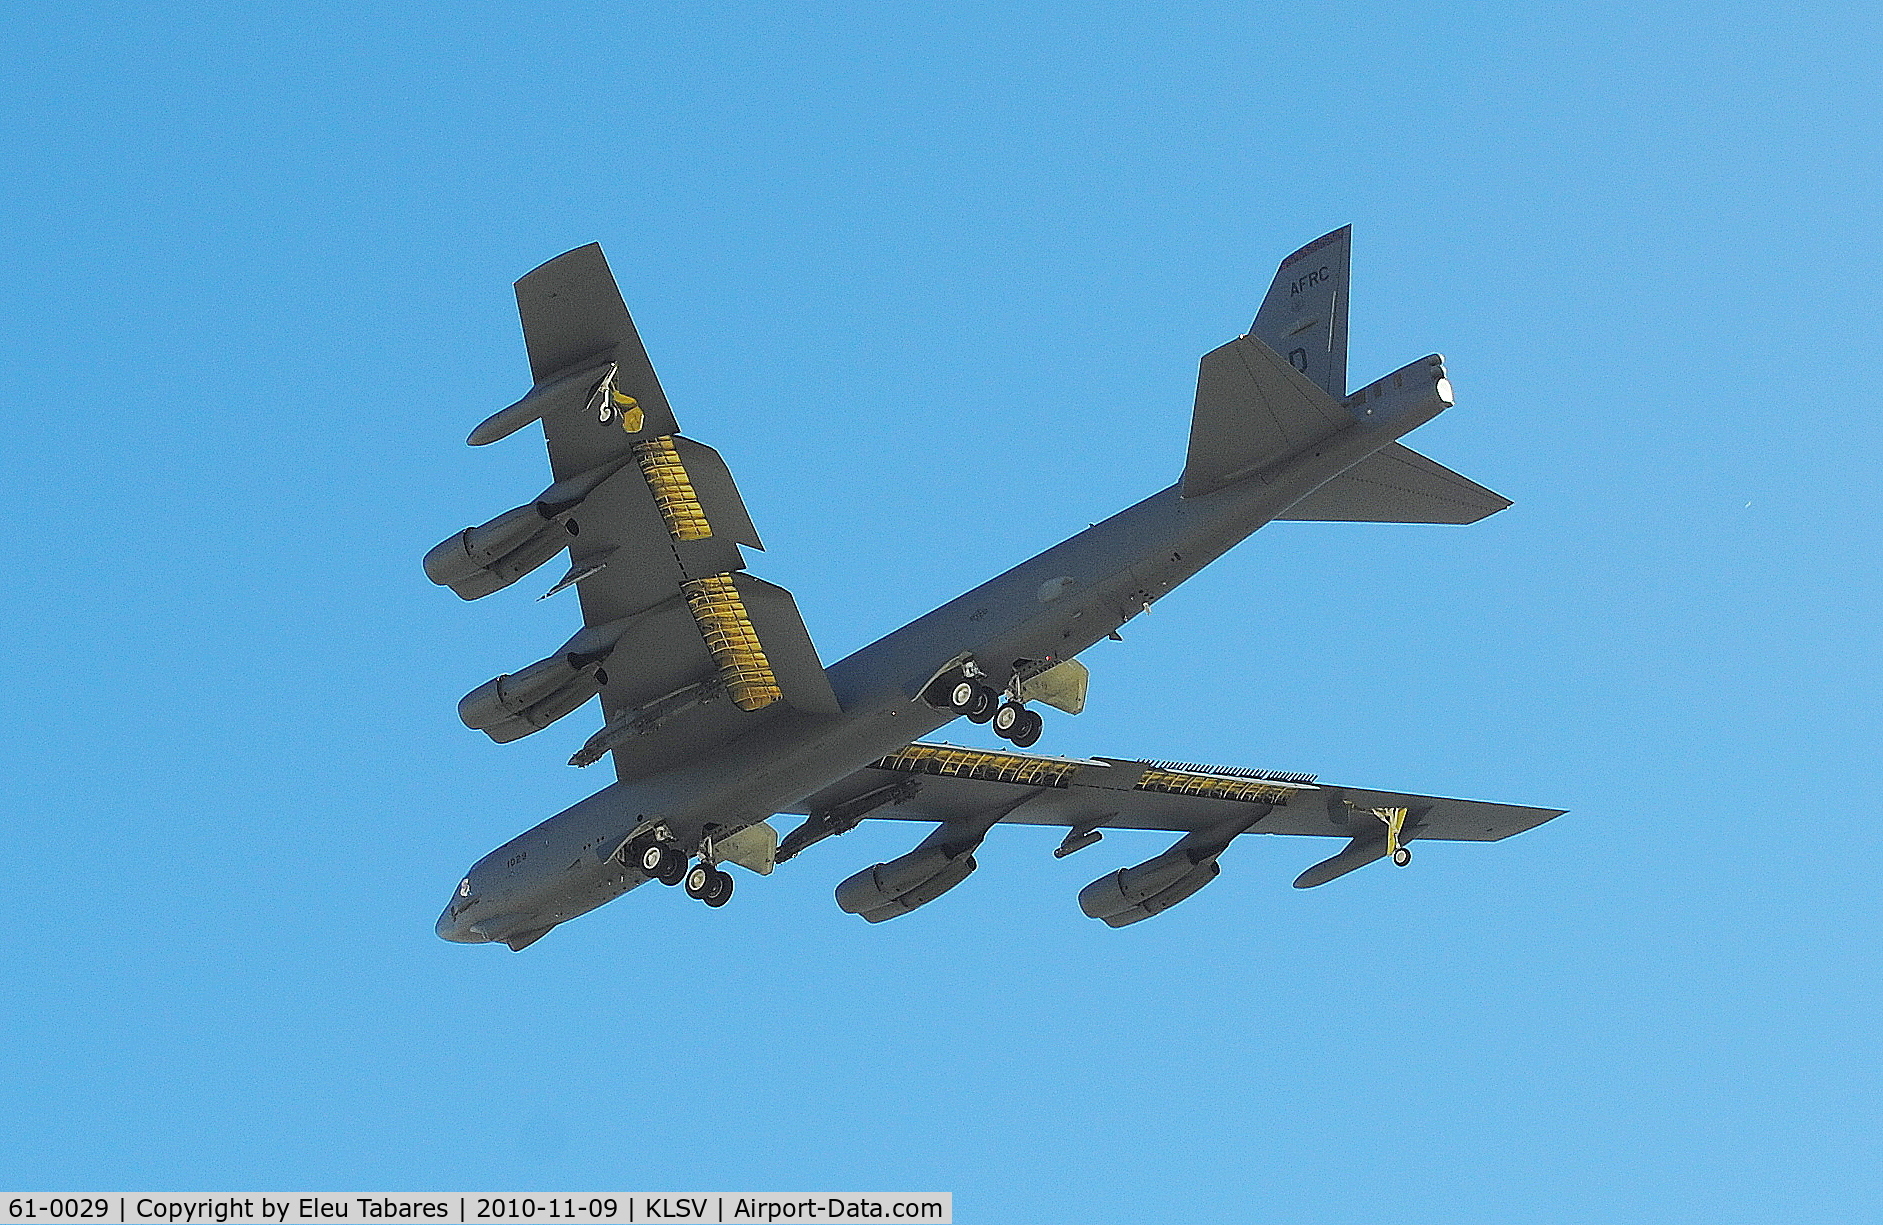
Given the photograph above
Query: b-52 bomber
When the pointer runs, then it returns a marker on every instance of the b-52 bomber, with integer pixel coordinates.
(719, 714)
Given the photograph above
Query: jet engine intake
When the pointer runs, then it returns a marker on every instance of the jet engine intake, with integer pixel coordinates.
(942, 860)
(480, 560)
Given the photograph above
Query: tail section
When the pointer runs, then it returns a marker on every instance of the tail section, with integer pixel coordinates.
(1280, 390)
(1304, 316)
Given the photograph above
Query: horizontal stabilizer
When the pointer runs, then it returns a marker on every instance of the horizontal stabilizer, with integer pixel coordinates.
(1398, 485)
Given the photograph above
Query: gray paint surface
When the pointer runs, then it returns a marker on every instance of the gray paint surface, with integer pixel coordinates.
(1273, 437)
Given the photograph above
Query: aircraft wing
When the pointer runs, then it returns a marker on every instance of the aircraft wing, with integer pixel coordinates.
(684, 647)
(944, 783)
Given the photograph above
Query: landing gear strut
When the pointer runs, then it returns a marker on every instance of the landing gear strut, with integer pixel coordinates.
(1395, 821)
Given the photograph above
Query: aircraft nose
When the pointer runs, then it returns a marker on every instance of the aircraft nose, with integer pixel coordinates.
(451, 927)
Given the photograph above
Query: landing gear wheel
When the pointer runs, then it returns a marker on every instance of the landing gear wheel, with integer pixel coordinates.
(699, 881)
(1007, 718)
(985, 700)
(963, 696)
(1028, 734)
(661, 860)
(719, 891)
(675, 871)
(1402, 857)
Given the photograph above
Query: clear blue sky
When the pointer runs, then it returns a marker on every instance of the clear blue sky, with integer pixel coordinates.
(934, 278)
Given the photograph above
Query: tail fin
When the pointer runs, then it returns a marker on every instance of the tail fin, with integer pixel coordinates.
(1304, 316)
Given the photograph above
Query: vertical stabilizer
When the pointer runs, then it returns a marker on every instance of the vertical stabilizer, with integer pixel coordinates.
(1304, 316)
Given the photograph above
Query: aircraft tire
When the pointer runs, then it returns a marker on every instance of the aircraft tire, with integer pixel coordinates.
(1402, 857)
(1027, 735)
(719, 889)
(986, 702)
(652, 857)
(675, 869)
(699, 881)
(1008, 718)
(963, 696)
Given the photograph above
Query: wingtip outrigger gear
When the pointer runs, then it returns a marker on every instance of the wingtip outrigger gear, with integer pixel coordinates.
(1395, 821)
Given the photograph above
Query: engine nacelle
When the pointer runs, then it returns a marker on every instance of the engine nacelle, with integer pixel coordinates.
(516, 704)
(480, 560)
(1157, 884)
(1110, 898)
(943, 860)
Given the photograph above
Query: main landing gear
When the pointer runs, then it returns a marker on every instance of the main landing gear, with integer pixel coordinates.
(975, 699)
(663, 861)
(660, 859)
(982, 703)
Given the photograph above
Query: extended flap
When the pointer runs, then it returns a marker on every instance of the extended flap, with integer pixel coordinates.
(726, 515)
(787, 645)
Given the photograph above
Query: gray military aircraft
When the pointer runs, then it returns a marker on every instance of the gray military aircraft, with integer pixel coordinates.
(719, 714)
